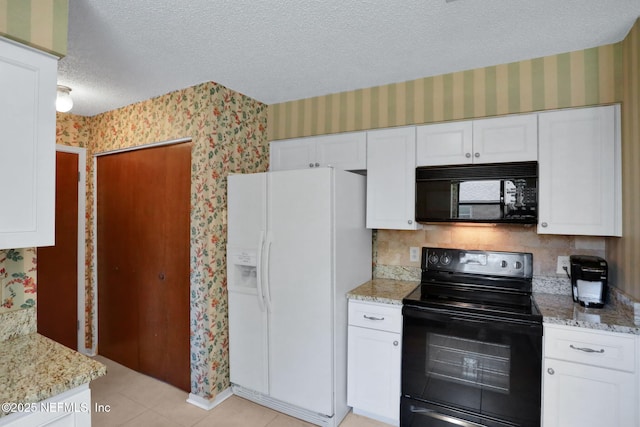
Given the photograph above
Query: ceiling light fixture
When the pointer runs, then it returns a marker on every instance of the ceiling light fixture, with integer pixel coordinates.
(64, 102)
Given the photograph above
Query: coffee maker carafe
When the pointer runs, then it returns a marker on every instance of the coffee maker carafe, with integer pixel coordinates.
(588, 280)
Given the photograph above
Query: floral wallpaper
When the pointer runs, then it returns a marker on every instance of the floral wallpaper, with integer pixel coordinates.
(17, 279)
(228, 130)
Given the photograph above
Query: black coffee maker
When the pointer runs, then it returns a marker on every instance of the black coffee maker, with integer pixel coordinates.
(588, 280)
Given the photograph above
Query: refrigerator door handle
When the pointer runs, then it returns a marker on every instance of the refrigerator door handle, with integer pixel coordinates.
(267, 283)
(259, 272)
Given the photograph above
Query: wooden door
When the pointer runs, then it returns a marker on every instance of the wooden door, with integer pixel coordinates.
(143, 260)
(57, 303)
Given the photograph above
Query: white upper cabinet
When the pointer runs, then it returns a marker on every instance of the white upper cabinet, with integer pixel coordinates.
(580, 172)
(495, 140)
(288, 154)
(444, 144)
(391, 182)
(506, 139)
(347, 151)
(27, 146)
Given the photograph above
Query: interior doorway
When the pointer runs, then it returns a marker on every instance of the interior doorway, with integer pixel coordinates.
(60, 279)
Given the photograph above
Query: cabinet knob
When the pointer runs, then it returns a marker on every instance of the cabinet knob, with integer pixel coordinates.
(477, 154)
(161, 276)
(551, 371)
(544, 224)
(310, 165)
(468, 155)
(410, 222)
(395, 343)
(317, 164)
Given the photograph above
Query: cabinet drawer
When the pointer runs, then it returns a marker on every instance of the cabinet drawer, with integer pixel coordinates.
(605, 349)
(383, 317)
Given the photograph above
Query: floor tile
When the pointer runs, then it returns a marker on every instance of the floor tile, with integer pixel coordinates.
(134, 399)
(238, 412)
(173, 405)
(120, 409)
(150, 418)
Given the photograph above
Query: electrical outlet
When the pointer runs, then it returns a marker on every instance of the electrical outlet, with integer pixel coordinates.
(563, 261)
(414, 254)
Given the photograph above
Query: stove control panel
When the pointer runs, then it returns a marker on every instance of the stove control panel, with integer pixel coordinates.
(495, 263)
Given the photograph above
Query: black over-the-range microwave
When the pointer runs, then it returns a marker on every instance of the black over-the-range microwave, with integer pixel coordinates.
(490, 193)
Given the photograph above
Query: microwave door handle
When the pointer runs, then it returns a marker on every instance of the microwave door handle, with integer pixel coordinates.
(442, 417)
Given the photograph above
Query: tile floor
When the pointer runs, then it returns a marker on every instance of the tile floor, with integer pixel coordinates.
(137, 400)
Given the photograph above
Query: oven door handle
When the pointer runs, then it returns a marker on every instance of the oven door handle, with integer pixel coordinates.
(442, 417)
(411, 313)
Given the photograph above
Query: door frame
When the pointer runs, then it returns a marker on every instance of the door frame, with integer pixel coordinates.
(82, 208)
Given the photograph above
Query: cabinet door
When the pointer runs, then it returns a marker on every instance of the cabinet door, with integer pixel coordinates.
(444, 144)
(506, 139)
(347, 151)
(577, 395)
(292, 154)
(27, 146)
(373, 383)
(391, 183)
(579, 172)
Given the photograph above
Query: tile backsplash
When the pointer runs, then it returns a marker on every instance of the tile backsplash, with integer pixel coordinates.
(391, 247)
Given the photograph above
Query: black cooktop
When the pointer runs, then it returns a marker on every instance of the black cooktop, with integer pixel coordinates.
(494, 284)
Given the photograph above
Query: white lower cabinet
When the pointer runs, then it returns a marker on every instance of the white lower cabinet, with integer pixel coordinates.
(374, 358)
(590, 378)
(69, 409)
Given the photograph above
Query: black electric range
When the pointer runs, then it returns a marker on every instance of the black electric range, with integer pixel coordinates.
(472, 341)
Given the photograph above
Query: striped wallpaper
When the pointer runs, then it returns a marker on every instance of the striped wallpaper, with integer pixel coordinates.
(623, 254)
(38, 23)
(572, 79)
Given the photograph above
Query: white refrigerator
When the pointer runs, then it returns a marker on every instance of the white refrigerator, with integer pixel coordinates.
(297, 242)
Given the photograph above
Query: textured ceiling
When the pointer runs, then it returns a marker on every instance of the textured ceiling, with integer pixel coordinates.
(125, 51)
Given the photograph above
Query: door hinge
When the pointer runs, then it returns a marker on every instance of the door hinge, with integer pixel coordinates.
(78, 176)
(78, 324)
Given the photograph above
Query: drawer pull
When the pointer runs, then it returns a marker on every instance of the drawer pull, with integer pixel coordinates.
(587, 349)
(373, 318)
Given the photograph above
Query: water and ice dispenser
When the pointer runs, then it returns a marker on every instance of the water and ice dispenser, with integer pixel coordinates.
(242, 269)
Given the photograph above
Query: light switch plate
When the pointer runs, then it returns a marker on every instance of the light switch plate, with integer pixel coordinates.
(563, 261)
(414, 254)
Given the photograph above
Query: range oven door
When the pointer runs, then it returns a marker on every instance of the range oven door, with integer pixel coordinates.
(469, 370)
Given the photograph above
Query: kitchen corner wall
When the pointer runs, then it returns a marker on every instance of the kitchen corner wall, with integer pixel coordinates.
(574, 79)
(37, 23)
(623, 254)
(228, 130)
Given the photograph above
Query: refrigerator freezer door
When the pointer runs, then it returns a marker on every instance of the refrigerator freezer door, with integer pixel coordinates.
(300, 287)
(248, 346)
(246, 209)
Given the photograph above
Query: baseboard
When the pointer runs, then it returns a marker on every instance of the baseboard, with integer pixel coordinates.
(207, 404)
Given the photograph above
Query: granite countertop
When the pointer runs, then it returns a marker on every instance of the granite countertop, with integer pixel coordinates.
(561, 310)
(386, 291)
(35, 368)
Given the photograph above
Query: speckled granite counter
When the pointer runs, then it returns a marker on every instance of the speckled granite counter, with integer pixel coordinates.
(34, 368)
(561, 310)
(386, 291)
